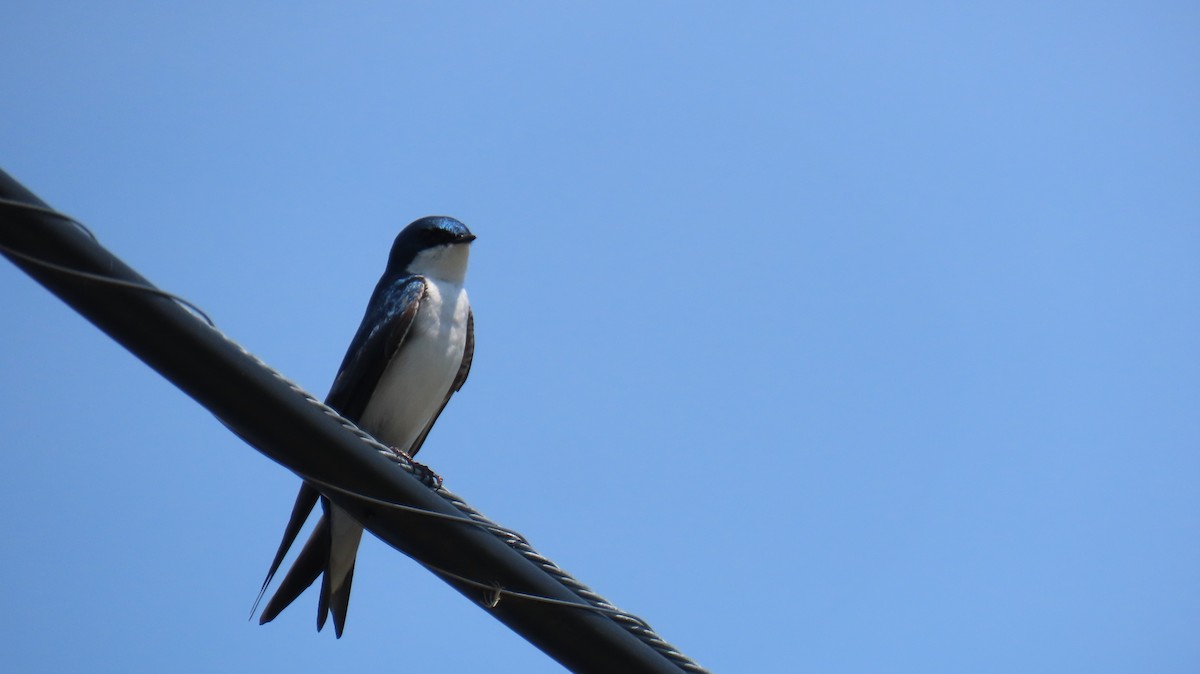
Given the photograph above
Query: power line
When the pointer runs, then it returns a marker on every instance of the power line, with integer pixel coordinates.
(491, 565)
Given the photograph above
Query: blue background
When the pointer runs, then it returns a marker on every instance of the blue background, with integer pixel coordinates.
(844, 337)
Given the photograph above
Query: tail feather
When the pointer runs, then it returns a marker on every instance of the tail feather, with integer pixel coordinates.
(309, 564)
(330, 553)
(305, 500)
(339, 604)
(323, 602)
(345, 534)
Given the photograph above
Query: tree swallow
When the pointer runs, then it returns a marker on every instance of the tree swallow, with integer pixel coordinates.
(411, 353)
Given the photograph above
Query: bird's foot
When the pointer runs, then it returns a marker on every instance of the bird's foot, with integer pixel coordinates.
(420, 471)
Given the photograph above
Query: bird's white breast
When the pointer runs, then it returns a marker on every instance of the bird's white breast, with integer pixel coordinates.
(420, 374)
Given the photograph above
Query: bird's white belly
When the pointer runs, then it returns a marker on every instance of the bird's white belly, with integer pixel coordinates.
(415, 382)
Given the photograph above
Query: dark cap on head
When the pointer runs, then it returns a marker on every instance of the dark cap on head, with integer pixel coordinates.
(428, 232)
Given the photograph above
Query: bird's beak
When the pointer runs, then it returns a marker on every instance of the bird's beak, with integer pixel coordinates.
(467, 239)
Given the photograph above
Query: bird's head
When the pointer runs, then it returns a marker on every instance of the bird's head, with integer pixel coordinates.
(435, 246)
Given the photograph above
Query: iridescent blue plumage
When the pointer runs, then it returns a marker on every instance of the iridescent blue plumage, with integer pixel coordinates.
(387, 319)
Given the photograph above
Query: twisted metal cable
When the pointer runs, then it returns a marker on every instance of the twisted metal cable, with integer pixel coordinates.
(630, 622)
(469, 515)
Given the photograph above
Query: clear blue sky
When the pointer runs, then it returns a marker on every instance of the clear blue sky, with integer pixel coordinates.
(849, 337)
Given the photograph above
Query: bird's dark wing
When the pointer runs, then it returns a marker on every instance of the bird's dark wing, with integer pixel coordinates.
(308, 565)
(459, 379)
(386, 323)
(305, 501)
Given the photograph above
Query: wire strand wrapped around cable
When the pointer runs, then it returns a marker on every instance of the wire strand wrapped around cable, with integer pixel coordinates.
(262, 407)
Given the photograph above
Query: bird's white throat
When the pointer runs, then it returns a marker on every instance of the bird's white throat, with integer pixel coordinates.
(445, 263)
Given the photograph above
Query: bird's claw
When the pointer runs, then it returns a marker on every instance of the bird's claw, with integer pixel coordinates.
(420, 471)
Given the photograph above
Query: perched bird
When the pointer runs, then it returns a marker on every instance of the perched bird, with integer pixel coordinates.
(411, 353)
